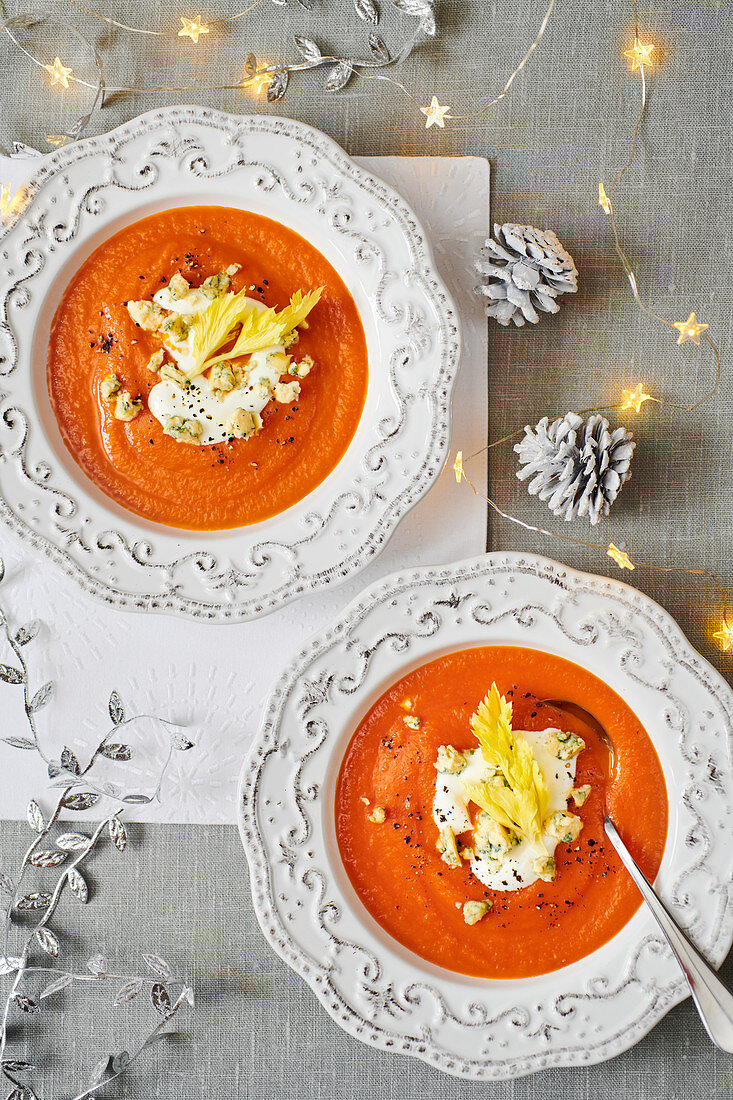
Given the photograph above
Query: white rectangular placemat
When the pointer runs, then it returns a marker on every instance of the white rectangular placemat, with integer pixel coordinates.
(214, 679)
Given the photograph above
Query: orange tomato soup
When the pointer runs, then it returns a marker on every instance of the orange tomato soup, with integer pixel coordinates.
(395, 867)
(222, 485)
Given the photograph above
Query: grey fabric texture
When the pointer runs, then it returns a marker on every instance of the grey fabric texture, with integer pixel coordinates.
(257, 1031)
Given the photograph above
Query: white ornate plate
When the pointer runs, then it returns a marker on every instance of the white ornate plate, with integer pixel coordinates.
(287, 171)
(377, 990)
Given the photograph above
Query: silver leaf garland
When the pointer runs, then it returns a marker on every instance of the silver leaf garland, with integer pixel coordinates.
(116, 709)
(121, 1061)
(83, 800)
(98, 966)
(72, 842)
(26, 1003)
(129, 991)
(118, 833)
(35, 816)
(307, 48)
(339, 76)
(77, 885)
(36, 900)
(11, 675)
(367, 10)
(27, 633)
(57, 985)
(379, 50)
(48, 941)
(69, 761)
(41, 697)
(51, 857)
(115, 751)
(44, 902)
(158, 966)
(160, 997)
(278, 85)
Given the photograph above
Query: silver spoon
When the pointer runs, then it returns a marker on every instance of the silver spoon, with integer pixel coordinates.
(713, 1000)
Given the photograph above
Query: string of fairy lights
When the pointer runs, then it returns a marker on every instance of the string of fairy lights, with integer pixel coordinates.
(266, 78)
(259, 79)
(691, 330)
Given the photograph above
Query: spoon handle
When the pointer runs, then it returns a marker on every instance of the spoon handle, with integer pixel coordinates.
(713, 1000)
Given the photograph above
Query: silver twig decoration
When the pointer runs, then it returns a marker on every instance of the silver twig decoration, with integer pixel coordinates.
(159, 981)
(50, 849)
(342, 67)
(73, 774)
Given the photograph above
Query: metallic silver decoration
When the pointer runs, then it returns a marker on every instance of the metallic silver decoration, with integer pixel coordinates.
(98, 966)
(160, 997)
(158, 966)
(278, 85)
(48, 858)
(129, 991)
(524, 270)
(44, 902)
(41, 697)
(116, 709)
(115, 752)
(56, 986)
(118, 833)
(367, 10)
(10, 675)
(69, 762)
(48, 941)
(27, 633)
(77, 885)
(69, 768)
(36, 900)
(577, 467)
(342, 67)
(83, 800)
(72, 842)
(35, 817)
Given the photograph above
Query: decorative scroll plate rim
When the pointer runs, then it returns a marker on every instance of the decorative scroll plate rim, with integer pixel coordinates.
(645, 610)
(137, 588)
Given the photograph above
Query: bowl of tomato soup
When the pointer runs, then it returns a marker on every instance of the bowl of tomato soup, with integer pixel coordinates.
(236, 482)
(218, 459)
(394, 866)
(443, 936)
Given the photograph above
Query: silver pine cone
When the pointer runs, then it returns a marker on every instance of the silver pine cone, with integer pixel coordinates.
(576, 466)
(524, 270)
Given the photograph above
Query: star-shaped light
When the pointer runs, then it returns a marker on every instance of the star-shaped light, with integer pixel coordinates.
(603, 199)
(634, 399)
(640, 54)
(623, 561)
(258, 82)
(458, 467)
(191, 29)
(435, 114)
(689, 330)
(725, 636)
(59, 73)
